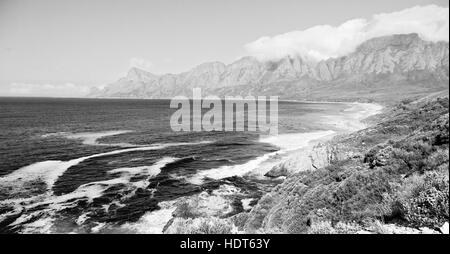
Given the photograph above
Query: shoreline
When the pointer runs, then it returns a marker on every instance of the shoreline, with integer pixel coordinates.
(291, 157)
(313, 154)
(309, 155)
(169, 98)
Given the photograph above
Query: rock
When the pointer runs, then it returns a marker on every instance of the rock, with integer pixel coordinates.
(383, 157)
(363, 232)
(396, 229)
(277, 171)
(444, 228)
(427, 231)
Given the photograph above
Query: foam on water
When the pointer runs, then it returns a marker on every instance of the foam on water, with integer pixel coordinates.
(261, 164)
(89, 191)
(147, 170)
(351, 118)
(294, 141)
(91, 138)
(50, 171)
(246, 203)
(229, 171)
(152, 222)
(217, 203)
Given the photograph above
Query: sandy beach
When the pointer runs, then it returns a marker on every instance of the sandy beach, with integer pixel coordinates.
(307, 151)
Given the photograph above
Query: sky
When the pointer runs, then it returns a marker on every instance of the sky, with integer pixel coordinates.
(64, 47)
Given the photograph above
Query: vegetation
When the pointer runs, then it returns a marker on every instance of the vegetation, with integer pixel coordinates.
(400, 176)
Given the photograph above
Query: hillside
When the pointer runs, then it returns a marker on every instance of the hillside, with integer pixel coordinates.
(381, 69)
(390, 178)
(396, 172)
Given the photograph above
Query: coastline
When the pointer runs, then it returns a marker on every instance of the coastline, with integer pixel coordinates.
(314, 154)
(343, 197)
(307, 151)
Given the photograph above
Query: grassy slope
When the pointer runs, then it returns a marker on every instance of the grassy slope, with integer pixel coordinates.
(397, 173)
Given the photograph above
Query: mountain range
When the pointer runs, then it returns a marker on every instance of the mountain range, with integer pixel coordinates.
(383, 69)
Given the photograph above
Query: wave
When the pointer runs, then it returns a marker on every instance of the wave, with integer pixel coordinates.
(351, 118)
(148, 171)
(294, 141)
(151, 222)
(229, 171)
(91, 138)
(219, 202)
(51, 204)
(261, 164)
(49, 171)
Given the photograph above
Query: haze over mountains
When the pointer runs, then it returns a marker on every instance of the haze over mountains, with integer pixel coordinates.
(380, 69)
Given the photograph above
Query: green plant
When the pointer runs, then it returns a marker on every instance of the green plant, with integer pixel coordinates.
(323, 227)
(428, 202)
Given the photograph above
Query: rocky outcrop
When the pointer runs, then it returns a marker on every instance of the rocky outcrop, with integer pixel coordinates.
(314, 156)
(397, 63)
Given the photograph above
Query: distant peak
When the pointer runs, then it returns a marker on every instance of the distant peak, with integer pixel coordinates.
(399, 40)
(139, 74)
(210, 65)
(137, 70)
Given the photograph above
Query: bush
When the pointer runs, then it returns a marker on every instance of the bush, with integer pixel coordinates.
(256, 217)
(362, 195)
(428, 203)
(403, 177)
(347, 228)
(424, 199)
(239, 220)
(323, 227)
(438, 160)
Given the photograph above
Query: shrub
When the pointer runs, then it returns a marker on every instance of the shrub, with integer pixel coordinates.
(426, 201)
(256, 216)
(437, 159)
(323, 227)
(296, 224)
(239, 220)
(362, 194)
(347, 228)
(403, 178)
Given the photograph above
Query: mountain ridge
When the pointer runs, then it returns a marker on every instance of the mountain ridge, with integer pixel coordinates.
(402, 61)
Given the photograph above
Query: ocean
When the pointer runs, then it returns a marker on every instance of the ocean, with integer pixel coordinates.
(115, 166)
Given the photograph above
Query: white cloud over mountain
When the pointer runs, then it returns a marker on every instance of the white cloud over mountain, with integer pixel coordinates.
(324, 41)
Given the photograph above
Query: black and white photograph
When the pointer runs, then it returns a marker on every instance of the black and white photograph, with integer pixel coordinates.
(224, 117)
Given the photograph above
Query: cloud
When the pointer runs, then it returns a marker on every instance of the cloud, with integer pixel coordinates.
(141, 63)
(45, 90)
(324, 41)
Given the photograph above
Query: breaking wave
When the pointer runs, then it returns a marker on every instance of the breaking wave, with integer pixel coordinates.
(42, 220)
(260, 165)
